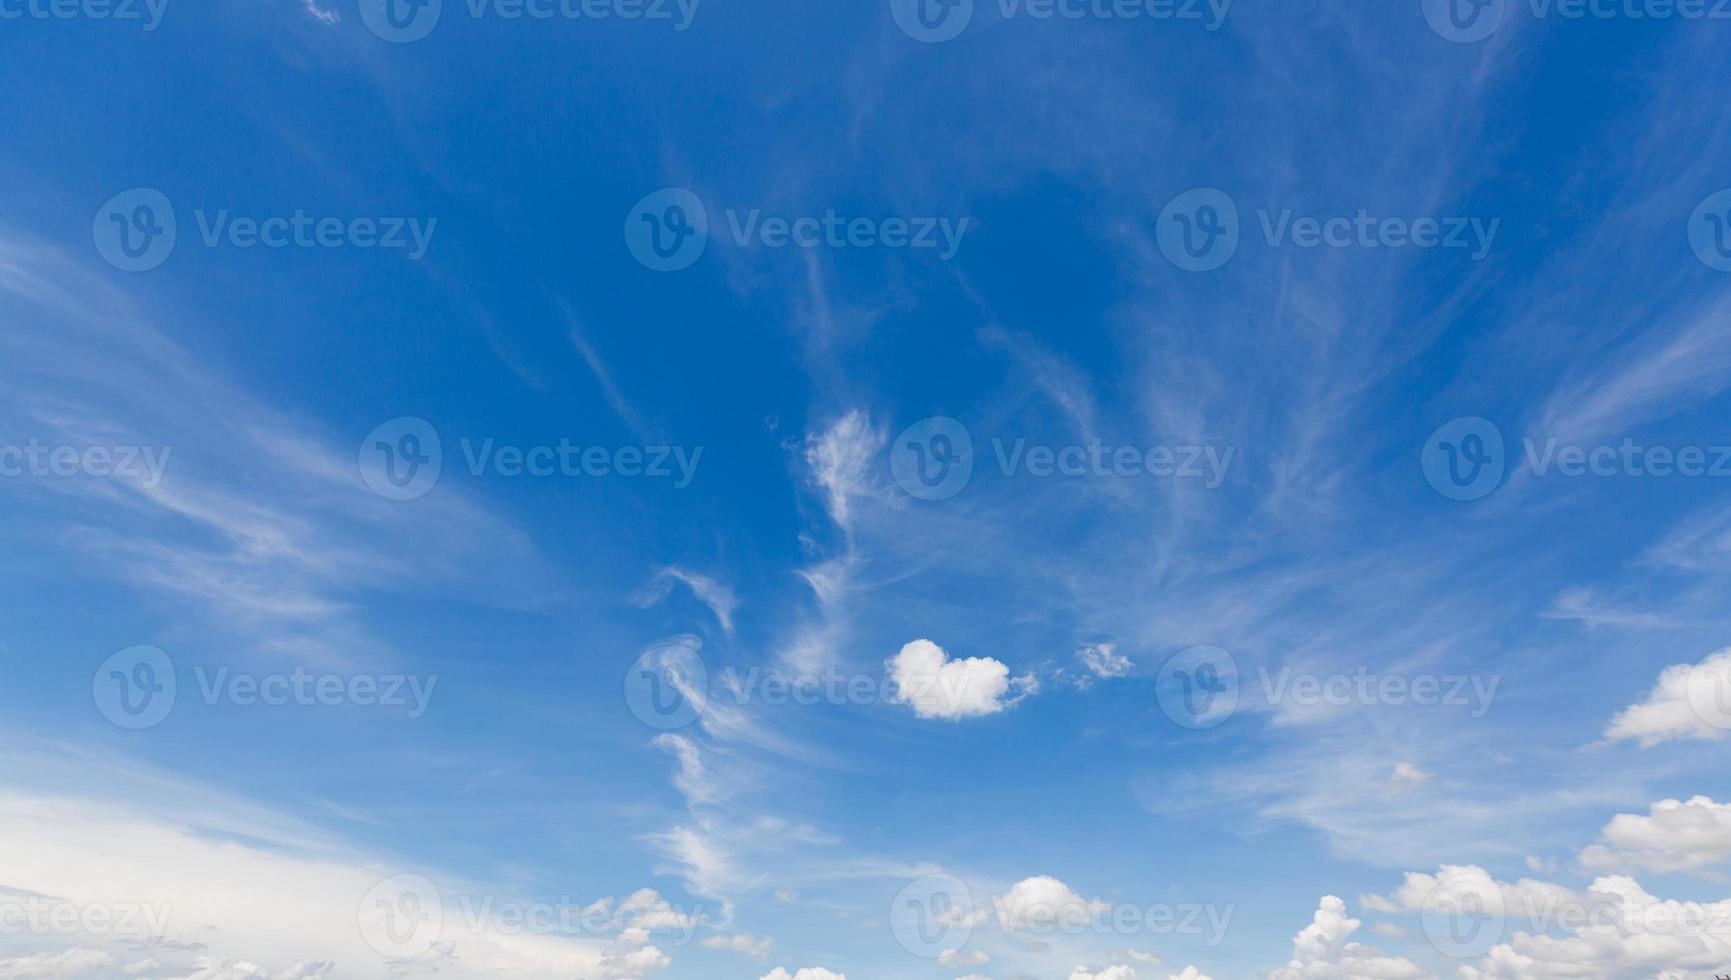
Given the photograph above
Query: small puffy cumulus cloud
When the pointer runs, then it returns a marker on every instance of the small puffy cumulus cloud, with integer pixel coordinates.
(1102, 660)
(1325, 948)
(955, 957)
(1406, 777)
(1095, 662)
(936, 686)
(804, 973)
(1689, 702)
(1190, 973)
(1044, 902)
(1674, 836)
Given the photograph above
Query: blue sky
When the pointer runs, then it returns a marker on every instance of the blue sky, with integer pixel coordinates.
(1239, 488)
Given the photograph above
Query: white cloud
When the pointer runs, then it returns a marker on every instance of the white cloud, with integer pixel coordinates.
(205, 870)
(1523, 902)
(1190, 973)
(1688, 702)
(271, 551)
(938, 687)
(1613, 931)
(1103, 661)
(1406, 776)
(805, 973)
(955, 957)
(1626, 934)
(717, 595)
(318, 13)
(740, 942)
(635, 963)
(1043, 903)
(61, 963)
(1119, 972)
(1674, 836)
(841, 462)
(1671, 374)
(1324, 950)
